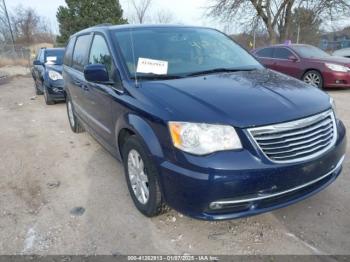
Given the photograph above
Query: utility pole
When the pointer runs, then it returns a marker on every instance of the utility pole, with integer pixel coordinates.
(254, 34)
(254, 39)
(298, 34)
(298, 30)
(9, 23)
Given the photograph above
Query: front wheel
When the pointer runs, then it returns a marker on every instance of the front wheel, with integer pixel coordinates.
(37, 90)
(142, 178)
(47, 97)
(313, 78)
(74, 122)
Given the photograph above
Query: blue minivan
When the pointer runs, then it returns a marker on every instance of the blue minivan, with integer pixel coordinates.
(198, 123)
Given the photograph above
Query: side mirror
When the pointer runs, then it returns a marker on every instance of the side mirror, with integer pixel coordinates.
(37, 62)
(96, 73)
(292, 58)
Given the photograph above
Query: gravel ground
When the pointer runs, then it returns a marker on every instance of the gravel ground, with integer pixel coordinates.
(62, 193)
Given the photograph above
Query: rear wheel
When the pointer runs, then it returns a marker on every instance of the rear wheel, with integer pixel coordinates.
(74, 122)
(314, 78)
(142, 178)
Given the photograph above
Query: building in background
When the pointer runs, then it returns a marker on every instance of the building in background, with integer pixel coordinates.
(335, 40)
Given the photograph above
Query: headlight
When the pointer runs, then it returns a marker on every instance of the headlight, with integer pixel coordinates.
(202, 139)
(337, 68)
(55, 75)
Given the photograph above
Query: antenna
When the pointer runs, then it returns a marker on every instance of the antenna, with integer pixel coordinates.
(133, 54)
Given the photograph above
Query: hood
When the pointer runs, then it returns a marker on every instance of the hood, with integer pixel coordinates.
(241, 99)
(57, 68)
(333, 59)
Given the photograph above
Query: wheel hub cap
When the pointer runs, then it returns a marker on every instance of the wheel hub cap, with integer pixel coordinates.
(312, 79)
(138, 177)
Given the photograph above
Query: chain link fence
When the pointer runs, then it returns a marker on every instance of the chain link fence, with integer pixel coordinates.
(14, 61)
(11, 55)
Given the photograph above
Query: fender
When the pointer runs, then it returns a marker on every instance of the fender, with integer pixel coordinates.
(45, 78)
(143, 130)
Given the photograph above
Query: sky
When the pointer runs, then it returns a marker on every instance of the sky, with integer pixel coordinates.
(46, 8)
(189, 12)
(184, 11)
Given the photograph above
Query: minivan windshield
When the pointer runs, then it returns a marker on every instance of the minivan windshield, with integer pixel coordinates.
(54, 56)
(184, 51)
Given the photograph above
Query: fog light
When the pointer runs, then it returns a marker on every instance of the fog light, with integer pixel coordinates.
(215, 205)
(340, 81)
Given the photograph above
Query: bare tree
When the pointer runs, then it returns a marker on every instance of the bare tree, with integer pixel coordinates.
(305, 26)
(29, 27)
(26, 22)
(275, 15)
(163, 16)
(141, 7)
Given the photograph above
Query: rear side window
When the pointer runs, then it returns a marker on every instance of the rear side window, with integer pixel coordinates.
(265, 52)
(100, 54)
(81, 49)
(282, 53)
(69, 52)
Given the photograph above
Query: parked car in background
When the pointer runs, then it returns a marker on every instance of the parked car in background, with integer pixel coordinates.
(308, 63)
(198, 122)
(345, 52)
(47, 74)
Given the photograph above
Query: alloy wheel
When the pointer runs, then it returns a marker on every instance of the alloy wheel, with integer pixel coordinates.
(312, 79)
(138, 177)
(70, 113)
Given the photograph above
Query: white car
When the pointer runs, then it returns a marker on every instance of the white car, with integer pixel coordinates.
(345, 52)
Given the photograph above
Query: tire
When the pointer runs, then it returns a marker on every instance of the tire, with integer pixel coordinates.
(314, 78)
(147, 176)
(37, 90)
(74, 122)
(48, 99)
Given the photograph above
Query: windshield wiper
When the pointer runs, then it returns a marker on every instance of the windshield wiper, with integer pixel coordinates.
(157, 77)
(219, 70)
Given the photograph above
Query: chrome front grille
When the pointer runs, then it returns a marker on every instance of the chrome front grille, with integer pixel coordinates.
(296, 140)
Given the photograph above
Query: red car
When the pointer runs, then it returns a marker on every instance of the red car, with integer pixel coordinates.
(308, 63)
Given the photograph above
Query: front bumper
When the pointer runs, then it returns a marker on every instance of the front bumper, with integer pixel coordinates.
(228, 185)
(336, 79)
(55, 89)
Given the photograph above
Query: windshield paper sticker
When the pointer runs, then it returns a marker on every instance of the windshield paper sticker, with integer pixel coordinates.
(152, 66)
(51, 58)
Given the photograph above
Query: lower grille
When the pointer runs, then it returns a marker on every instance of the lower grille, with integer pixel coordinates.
(296, 140)
(242, 204)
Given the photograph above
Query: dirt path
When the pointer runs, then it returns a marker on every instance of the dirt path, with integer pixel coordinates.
(61, 193)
